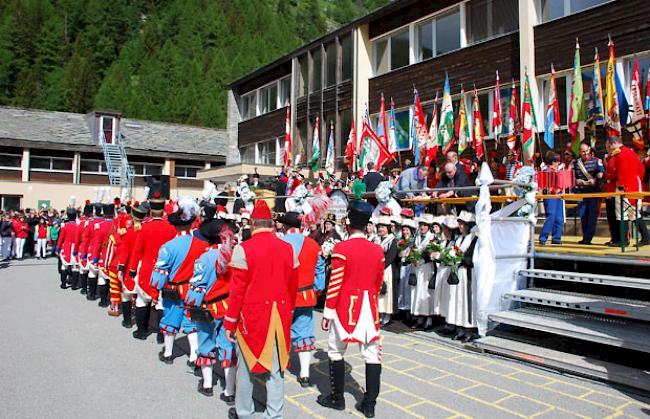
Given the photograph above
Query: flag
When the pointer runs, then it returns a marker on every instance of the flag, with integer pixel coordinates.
(513, 124)
(288, 144)
(419, 132)
(446, 127)
(596, 113)
(497, 122)
(462, 127)
(382, 125)
(577, 111)
(432, 140)
(351, 149)
(552, 113)
(315, 146)
(623, 103)
(530, 122)
(647, 101)
(369, 139)
(478, 133)
(612, 115)
(330, 167)
(637, 113)
(392, 131)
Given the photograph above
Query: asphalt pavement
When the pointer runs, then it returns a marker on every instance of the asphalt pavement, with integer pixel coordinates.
(63, 357)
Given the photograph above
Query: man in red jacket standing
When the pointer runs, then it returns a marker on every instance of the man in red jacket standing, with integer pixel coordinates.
(351, 312)
(624, 172)
(262, 296)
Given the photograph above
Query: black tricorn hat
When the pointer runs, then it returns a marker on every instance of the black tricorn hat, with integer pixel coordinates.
(291, 219)
(140, 211)
(359, 213)
(108, 210)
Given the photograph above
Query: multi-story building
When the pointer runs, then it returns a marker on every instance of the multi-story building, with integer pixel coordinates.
(46, 157)
(414, 43)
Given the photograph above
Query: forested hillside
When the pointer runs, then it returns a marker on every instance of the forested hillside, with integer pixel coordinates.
(167, 60)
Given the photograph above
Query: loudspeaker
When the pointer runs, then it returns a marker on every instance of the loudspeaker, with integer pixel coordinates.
(158, 183)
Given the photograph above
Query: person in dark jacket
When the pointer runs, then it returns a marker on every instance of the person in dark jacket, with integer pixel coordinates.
(454, 178)
(372, 178)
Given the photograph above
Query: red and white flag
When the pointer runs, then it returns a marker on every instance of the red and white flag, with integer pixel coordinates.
(497, 122)
(288, 144)
(351, 150)
(432, 141)
(478, 131)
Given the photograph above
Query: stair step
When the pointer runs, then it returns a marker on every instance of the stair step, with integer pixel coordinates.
(575, 364)
(599, 304)
(616, 281)
(616, 332)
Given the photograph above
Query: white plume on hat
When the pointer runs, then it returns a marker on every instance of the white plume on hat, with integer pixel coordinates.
(188, 207)
(96, 195)
(208, 189)
(146, 192)
(73, 201)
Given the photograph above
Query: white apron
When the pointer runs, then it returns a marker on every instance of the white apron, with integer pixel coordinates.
(460, 297)
(385, 301)
(421, 295)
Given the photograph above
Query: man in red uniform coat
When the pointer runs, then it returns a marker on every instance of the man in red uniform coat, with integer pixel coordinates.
(65, 247)
(94, 212)
(115, 246)
(262, 295)
(351, 313)
(97, 251)
(155, 232)
(624, 172)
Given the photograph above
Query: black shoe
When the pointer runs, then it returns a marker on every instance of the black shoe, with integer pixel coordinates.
(448, 330)
(83, 280)
(367, 410)
(554, 242)
(644, 242)
(160, 338)
(63, 286)
(469, 337)
(229, 400)
(232, 413)
(166, 359)
(618, 244)
(331, 401)
(205, 391)
(191, 364)
(459, 335)
(304, 382)
(127, 320)
(140, 334)
(92, 289)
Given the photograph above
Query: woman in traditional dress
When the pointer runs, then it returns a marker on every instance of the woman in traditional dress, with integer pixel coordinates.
(421, 294)
(443, 293)
(462, 296)
(391, 274)
(406, 267)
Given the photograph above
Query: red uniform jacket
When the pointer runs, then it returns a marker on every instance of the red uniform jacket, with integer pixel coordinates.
(67, 241)
(308, 258)
(98, 240)
(262, 293)
(85, 237)
(154, 234)
(355, 282)
(127, 243)
(21, 228)
(624, 169)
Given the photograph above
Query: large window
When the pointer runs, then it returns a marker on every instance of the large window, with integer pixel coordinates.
(93, 166)
(266, 152)
(285, 92)
(269, 98)
(330, 69)
(439, 35)
(248, 154)
(186, 171)
(147, 169)
(50, 164)
(391, 52)
(260, 153)
(554, 9)
(346, 58)
(345, 117)
(10, 161)
(303, 75)
(317, 70)
(489, 18)
(249, 105)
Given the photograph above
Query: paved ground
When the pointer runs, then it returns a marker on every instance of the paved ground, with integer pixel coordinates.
(63, 357)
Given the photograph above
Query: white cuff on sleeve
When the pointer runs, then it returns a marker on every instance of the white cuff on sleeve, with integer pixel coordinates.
(329, 313)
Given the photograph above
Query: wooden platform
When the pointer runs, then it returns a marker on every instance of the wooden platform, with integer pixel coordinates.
(571, 247)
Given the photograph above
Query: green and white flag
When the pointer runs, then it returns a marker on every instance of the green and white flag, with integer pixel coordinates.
(446, 129)
(315, 147)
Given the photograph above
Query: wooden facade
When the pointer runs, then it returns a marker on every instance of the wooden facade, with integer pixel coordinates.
(472, 66)
(408, 12)
(261, 128)
(627, 21)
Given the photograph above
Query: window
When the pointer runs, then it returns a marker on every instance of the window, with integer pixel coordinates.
(381, 56)
(54, 164)
(489, 18)
(438, 35)
(285, 92)
(269, 98)
(391, 52)
(346, 58)
(249, 105)
(187, 172)
(555, 9)
(266, 152)
(147, 169)
(300, 147)
(107, 128)
(10, 161)
(248, 154)
(316, 70)
(92, 166)
(346, 124)
(303, 76)
(330, 70)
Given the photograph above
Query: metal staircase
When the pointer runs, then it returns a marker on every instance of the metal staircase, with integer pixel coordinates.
(120, 173)
(566, 320)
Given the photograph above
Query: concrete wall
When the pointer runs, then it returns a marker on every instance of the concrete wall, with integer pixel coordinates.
(59, 193)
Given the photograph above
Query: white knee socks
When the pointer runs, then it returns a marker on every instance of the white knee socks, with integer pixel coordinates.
(169, 345)
(206, 372)
(194, 345)
(305, 360)
(230, 375)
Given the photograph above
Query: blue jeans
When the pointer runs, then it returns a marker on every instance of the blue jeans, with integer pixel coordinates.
(589, 209)
(554, 220)
(174, 318)
(274, 390)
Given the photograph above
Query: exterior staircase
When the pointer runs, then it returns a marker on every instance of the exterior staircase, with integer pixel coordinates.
(120, 173)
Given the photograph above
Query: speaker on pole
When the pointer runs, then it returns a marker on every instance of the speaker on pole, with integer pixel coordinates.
(158, 183)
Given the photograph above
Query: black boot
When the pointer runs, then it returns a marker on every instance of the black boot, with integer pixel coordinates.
(157, 315)
(71, 279)
(141, 320)
(102, 292)
(367, 405)
(64, 279)
(76, 283)
(126, 314)
(92, 289)
(83, 280)
(335, 399)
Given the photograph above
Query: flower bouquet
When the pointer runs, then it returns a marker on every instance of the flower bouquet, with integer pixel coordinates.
(328, 247)
(434, 246)
(452, 257)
